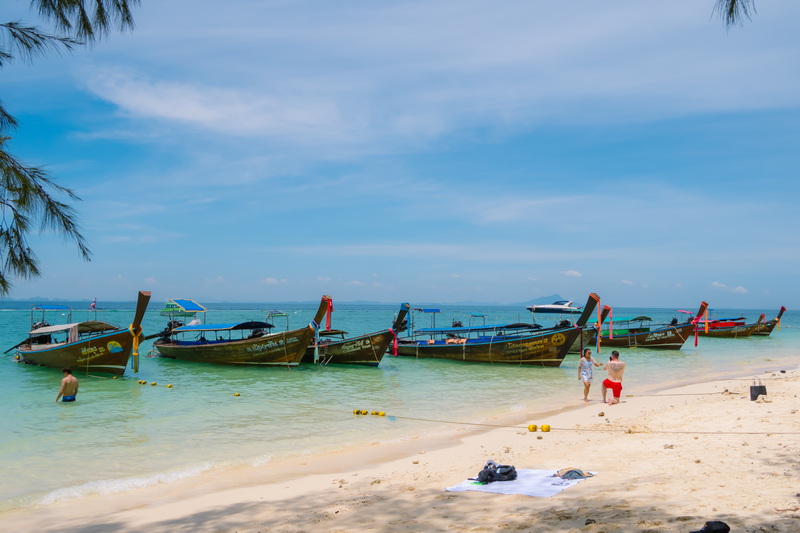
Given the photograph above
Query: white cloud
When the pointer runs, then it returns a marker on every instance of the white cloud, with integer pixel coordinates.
(627, 282)
(722, 286)
(571, 273)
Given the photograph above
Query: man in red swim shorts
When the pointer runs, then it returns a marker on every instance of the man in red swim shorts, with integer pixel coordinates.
(615, 369)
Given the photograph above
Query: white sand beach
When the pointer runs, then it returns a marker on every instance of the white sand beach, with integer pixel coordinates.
(664, 462)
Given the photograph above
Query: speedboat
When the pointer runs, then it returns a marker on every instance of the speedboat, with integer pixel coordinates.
(560, 306)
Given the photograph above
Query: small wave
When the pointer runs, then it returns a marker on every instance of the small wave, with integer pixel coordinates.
(113, 486)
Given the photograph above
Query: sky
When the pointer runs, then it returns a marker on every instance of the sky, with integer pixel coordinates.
(496, 152)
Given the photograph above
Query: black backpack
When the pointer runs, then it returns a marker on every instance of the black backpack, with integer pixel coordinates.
(496, 473)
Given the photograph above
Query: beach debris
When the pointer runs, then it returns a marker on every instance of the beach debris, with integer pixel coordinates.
(590, 521)
(601, 413)
(669, 446)
(414, 462)
(714, 526)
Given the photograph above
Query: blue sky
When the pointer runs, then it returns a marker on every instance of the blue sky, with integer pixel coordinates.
(414, 151)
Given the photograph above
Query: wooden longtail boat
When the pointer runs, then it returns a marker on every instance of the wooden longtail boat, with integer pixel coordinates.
(639, 331)
(731, 328)
(334, 347)
(765, 328)
(242, 343)
(92, 346)
(517, 343)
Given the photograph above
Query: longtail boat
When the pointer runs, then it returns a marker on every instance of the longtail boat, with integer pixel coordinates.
(732, 328)
(640, 331)
(238, 343)
(514, 343)
(91, 346)
(332, 346)
(765, 328)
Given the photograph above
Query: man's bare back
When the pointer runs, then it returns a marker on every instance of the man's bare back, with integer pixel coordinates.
(615, 370)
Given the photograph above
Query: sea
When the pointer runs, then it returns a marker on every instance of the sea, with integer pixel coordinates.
(188, 419)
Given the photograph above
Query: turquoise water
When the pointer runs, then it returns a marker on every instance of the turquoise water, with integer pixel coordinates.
(121, 435)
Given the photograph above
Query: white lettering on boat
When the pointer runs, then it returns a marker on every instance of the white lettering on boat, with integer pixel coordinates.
(267, 346)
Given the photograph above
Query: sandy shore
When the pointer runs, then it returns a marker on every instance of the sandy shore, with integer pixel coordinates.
(667, 461)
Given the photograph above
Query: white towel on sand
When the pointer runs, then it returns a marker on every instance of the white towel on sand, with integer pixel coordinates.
(540, 483)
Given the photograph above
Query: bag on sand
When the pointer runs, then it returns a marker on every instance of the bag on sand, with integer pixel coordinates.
(757, 389)
(495, 472)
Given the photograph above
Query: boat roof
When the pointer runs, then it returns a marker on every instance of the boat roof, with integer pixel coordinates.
(331, 332)
(251, 324)
(188, 305)
(467, 329)
(640, 318)
(91, 326)
(427, 310)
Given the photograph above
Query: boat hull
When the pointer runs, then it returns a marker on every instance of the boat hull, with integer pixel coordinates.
(365, 350)
(543, 349)
(731, 332)
(670, 338)
(765, 329)
(278, 349)
(585, 340)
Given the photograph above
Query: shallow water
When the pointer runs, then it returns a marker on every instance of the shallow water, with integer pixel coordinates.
(121, 434)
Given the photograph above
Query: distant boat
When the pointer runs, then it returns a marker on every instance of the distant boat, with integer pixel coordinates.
(558, 307)
(238, 343)
(733, 328)
(181, 307)
(765, 328)
(91, 346)
(515, 343)
(335, 347)
(639, 331)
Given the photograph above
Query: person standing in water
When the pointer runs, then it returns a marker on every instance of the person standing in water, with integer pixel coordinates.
(69, 386)
(585, 372)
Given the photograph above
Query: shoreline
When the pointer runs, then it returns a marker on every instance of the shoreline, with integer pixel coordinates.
(371, 487)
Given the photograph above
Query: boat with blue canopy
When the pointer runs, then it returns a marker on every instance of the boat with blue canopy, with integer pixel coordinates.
(238, 343)
(181, 307)
(517, 343)
(635, 331)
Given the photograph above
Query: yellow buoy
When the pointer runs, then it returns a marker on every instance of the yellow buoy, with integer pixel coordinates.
(236, 394)
(534, 427)
(115, 377)
(169, 386)
(374, 413)
(356, 411)
(545, 428)
(153, 384)
(381, 413)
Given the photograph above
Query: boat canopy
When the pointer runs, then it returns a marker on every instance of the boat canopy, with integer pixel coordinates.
(187, 305)
(91, 326)
(468, 329)
(252, 324)
(640, 318)
(331, 332)
(427, 310)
